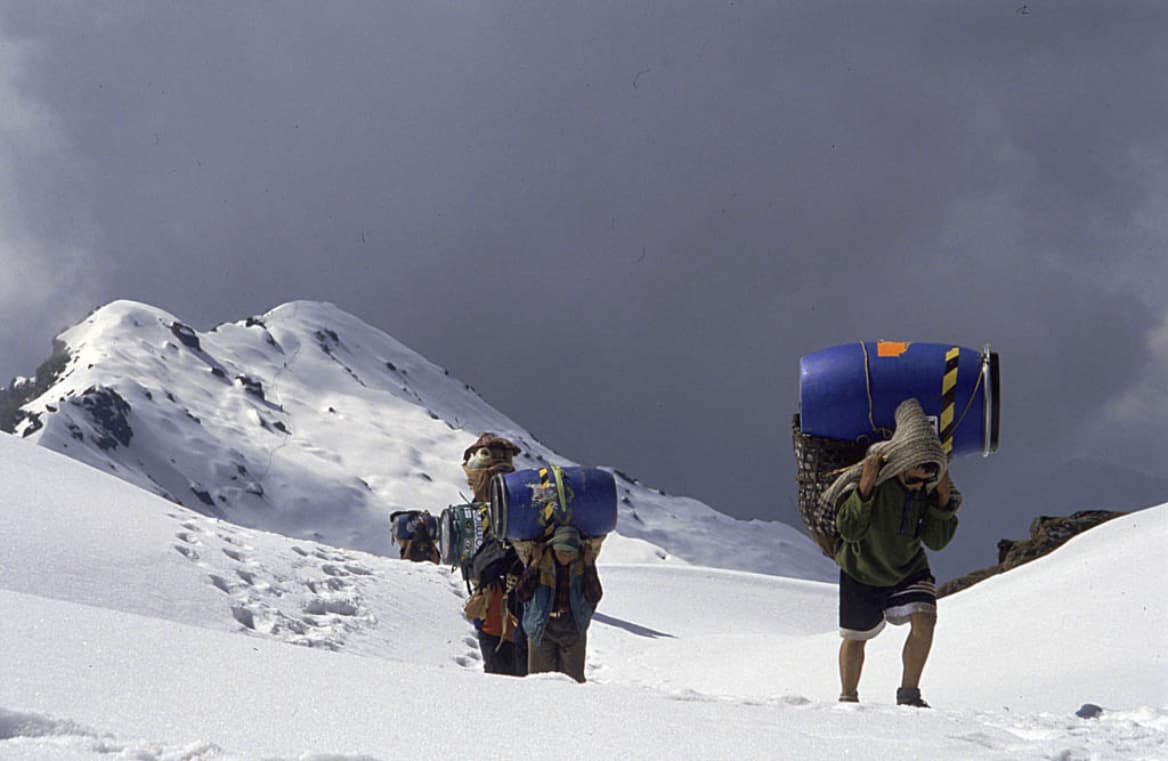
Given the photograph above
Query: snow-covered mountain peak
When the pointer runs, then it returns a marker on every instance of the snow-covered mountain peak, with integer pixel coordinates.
(307, 421)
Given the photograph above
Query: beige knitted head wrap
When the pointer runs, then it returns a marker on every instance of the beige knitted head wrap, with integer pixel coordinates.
(914, 442)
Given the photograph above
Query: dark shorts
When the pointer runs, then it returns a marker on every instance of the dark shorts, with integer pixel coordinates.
(864, 609)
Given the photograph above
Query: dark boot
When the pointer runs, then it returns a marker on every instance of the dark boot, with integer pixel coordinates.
(910, 696)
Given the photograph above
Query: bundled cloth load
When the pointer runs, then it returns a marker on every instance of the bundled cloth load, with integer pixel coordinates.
(528, 505)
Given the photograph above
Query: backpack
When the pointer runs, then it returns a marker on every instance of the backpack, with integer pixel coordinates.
(491, 562)
(819, 461)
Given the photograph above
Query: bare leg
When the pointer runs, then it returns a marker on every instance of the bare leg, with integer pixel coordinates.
(851, 663)
(917, 646)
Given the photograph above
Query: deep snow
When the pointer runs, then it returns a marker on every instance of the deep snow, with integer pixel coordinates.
(136, 628)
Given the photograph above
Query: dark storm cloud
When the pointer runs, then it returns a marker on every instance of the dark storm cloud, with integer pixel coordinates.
(625, 222)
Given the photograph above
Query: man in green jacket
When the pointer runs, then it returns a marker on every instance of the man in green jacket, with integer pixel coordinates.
(902, 501)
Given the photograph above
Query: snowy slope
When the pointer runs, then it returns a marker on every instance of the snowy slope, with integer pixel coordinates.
(307, 422)
(136, 628)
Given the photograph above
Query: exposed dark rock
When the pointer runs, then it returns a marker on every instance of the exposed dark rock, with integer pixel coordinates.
(327, 339)
(256, 322)
(279, 426)
(218, 372)
(1089, 711)
(251, 386)
(12, 399)
(203, 495)
(108, 411)
(186, 334)
(1047, 533)
(34, 424)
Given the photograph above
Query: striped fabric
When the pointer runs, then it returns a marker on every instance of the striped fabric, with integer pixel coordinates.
(865, 610)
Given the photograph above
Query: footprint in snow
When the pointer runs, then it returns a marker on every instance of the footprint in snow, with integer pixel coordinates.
(235, 542)
(186, 552)
(235, 555)
(332, 584)
(340, 607)
(221, 583)
(795, 700)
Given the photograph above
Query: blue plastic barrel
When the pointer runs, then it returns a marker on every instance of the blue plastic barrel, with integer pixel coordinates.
(461, 529)
(529, 504)
(405, 522)
(852, 391)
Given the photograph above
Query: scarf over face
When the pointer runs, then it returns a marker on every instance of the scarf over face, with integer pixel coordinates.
(914, 442)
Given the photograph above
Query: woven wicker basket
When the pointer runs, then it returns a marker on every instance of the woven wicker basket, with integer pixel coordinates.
(819, 461)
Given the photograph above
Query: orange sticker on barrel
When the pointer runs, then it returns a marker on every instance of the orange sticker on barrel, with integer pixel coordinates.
(891, 348)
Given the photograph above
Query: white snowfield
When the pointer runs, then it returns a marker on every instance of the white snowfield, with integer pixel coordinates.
(134, 628)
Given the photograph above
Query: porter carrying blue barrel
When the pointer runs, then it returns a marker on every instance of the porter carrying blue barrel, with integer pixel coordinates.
(405, 523)
(850, 392)
(461, 529)
(528, 505)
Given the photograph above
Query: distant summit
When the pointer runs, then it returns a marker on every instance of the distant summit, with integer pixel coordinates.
(308, 422)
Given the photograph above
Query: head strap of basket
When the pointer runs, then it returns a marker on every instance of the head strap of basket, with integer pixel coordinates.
(914, 442)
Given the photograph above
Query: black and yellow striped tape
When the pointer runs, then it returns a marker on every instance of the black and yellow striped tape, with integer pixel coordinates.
(547, 515)
(949, 399)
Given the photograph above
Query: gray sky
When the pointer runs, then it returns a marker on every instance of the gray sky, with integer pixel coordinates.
(624, 222)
